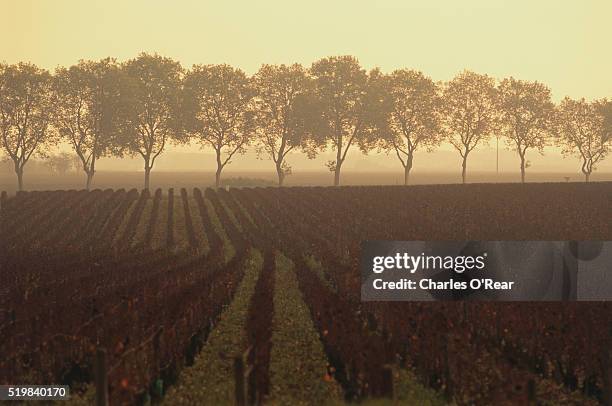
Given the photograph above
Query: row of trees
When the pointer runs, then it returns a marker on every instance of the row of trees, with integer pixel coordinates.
(105, 108)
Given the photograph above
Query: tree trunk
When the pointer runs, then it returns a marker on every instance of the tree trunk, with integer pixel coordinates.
(587, 168)
(464, 168)
(522, 168)
(407, 168)
(219, 167)
(90, 171)
(280, 173)
(147, 178)
(337, 175)
(90, 176)
(218, 177)
(19, 172)
(147, 168)
(338, 163)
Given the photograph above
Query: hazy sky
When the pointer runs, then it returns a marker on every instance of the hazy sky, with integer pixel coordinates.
(565, 44)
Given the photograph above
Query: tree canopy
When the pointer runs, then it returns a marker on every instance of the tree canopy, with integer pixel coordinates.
(154, 89)
(583, 130)
(91, 110)
(281, 112)
(109, 109)
(26, 106)
(414, 117)
(350, 104)
(469, 113)
(218, 104)
(526, 116)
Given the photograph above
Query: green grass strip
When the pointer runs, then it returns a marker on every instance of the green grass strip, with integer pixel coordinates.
(210, 381)
(298, 364)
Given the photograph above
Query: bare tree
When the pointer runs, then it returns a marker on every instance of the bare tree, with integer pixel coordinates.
(154, 87)
(469, 112)
(89, 110)
(526, 116)
(219, 111)
(351, 104)
(414, 117)
(280, 97)
(26, 103)
(584, 130)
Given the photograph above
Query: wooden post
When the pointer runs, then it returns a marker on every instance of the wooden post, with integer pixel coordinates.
(608, 380)
(447, 373)
(243, 387)
(239, 381)
(156, 348)
(251, 386)
(531, 393)
(387, 381)
(250, 379)
(159, 384)
(101, 378)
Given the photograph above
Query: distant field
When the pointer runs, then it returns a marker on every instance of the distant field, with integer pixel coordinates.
(165, 180)
(174, 285)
